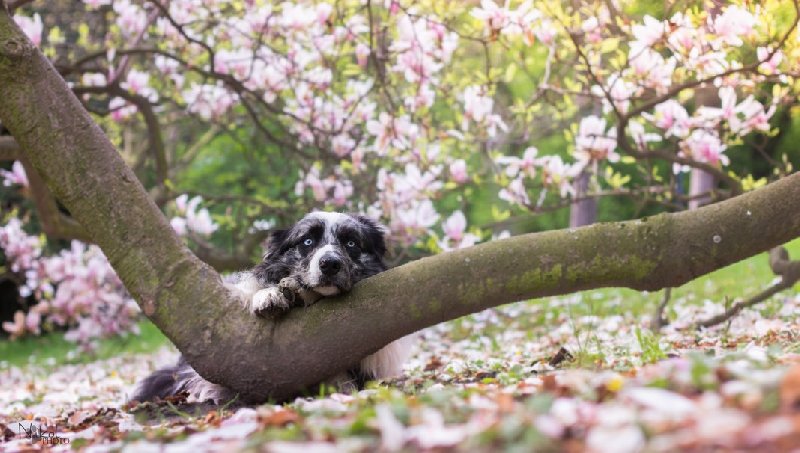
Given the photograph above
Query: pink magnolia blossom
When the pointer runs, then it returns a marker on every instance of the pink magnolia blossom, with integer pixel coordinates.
(423, 98)
(191, 218)
(319, 188)
(494, 17)
(591, 27)
(342, 191)
(751, 116)
(417, 217)
(652, 68)
(458, 171)
(422, 48)
(121, 109)
(15, 176)
(76, 288)
(33, 322)
(619, 89)
(593, 143)
(527, 164)
(455, 225)
(408, 185)
(649, 32)
(399, 132)
(732, 24)
(671, 117)
(515, 193)
(21, 250)
(137, 82)
(725, 112)
(208, 101)
(199, 221)
(556, 172)
(640, 136)
(342, 145)
(362, 54)
(706, 63)
(705, 146)
(545, 32)
(684, 36)
(295, 17)
(741, 118)
(131, 18)
(32, 27)
(477, 106)
(179, 225)
(770, 64)
(324, 12)
(456, 236)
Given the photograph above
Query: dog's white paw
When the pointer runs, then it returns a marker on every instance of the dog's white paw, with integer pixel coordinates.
(269, 302)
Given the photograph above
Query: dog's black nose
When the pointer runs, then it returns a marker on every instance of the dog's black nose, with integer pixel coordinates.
(330, 265)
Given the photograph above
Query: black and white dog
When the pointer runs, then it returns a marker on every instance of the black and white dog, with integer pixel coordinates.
(323, 255)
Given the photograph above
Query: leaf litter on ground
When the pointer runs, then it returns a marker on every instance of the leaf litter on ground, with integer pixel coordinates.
(548, 376)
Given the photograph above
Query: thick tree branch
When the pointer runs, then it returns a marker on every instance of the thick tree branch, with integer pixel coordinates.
(186, 299)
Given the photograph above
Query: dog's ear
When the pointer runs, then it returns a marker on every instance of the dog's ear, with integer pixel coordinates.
(374, 234)
(276, 242)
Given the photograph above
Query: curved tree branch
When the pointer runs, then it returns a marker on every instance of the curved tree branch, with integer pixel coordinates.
(185, 298)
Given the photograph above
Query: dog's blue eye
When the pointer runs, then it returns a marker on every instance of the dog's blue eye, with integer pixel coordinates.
(308, 242)
(351, 243)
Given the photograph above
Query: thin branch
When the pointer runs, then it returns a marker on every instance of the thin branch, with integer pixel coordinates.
(13, 5)
(659, 320)
(237, 260)
(56, 224)
(781, 265)
(9, 148)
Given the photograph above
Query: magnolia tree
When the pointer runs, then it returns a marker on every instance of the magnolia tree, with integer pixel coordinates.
(416, 113)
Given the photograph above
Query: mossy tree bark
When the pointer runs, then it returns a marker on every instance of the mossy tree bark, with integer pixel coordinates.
(261, 359)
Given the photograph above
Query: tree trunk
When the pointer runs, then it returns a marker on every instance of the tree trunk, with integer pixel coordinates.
(702, 182)
(261, 359)
(584, 211)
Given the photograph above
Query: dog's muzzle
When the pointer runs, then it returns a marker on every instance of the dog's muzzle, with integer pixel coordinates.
(330, 273)
(330, 264)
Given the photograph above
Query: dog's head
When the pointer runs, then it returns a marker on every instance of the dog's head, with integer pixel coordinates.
(326, 252)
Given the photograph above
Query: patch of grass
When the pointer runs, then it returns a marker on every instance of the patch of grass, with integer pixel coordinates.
(54, 350)
(651, 349)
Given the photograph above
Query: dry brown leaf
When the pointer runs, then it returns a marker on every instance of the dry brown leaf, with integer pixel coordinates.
(790, 388)
(279, 418)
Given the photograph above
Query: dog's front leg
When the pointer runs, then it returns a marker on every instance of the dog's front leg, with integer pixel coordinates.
(270, 301)
(293, 290)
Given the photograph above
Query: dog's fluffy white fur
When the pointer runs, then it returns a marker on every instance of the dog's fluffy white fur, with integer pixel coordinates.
(323, 255)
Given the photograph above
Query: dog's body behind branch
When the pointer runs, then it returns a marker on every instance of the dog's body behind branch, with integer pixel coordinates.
(323, 255)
